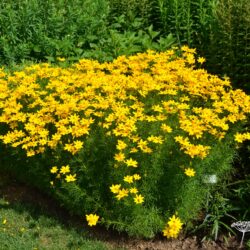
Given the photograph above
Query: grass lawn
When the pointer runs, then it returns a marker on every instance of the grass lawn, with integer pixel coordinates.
(28, 226)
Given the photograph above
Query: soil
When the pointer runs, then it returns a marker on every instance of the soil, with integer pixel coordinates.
(16, 192)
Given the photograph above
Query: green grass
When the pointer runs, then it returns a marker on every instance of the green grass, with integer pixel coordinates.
(26, 226)
(23, 230)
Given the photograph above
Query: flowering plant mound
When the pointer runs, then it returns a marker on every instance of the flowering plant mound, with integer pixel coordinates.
(128, 141)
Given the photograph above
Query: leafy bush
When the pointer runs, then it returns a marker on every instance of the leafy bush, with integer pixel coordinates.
(47, 30)
(131, 10)
(39, 29)
(128, 43)
(130, 140)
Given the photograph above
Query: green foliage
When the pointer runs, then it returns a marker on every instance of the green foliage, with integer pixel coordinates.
(226, 203)
(238, 192)
(39, 29)
(248, 244)
(231, 44)
(128, 42)
(131, 9)
(217, 217)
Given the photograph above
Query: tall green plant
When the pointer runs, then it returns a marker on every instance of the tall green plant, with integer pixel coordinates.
(231, 41)
(131, 9)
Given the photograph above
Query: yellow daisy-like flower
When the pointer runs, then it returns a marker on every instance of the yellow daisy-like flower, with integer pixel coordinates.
(53, 170)
(139, 199)
(78, 145)
(70, 178)
(119, 157)
(65, 169)
(131, 163)
(173, 227)
(201, 60)
(133, 150)
(128, 179)
(115, 188)
(121, 145)
(133, 190)
(242, 137)
(166, 128)
(122, 193)
(189, 172)
(136, 177)
(92, 219)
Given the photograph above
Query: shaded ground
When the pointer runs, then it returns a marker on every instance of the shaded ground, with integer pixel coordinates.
(14, 192)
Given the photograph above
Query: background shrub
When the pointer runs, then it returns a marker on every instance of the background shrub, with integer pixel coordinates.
(40, 29)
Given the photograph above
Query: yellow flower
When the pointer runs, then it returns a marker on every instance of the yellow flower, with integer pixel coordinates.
(136, 177)
(166, 128)
(30, 153)
(133, 190)
(155, 139)
(78, 145)
(121, 145)
(138, 199)
(53, 170)
(119, 157)
(70, 178)
(189, 172)
(61, 59)
(131, 163)
(238, 138)
(65, 169)
(173, 227)
(133, 150)
(128, 179)
(157, 108)
(92, 219)
(115, 188)
(122, 193)
(201, 60)
(242, 137)
(4, 221)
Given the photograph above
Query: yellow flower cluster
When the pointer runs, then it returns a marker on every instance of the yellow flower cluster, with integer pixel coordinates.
(191, 149)
(46, 107)
(124, 192)
(242, 137)
(173, 227)
(64, 170)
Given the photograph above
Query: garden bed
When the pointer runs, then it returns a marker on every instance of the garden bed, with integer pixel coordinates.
(14, 192)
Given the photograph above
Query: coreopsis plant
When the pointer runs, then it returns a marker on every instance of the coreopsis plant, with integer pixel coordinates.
(129, 140)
